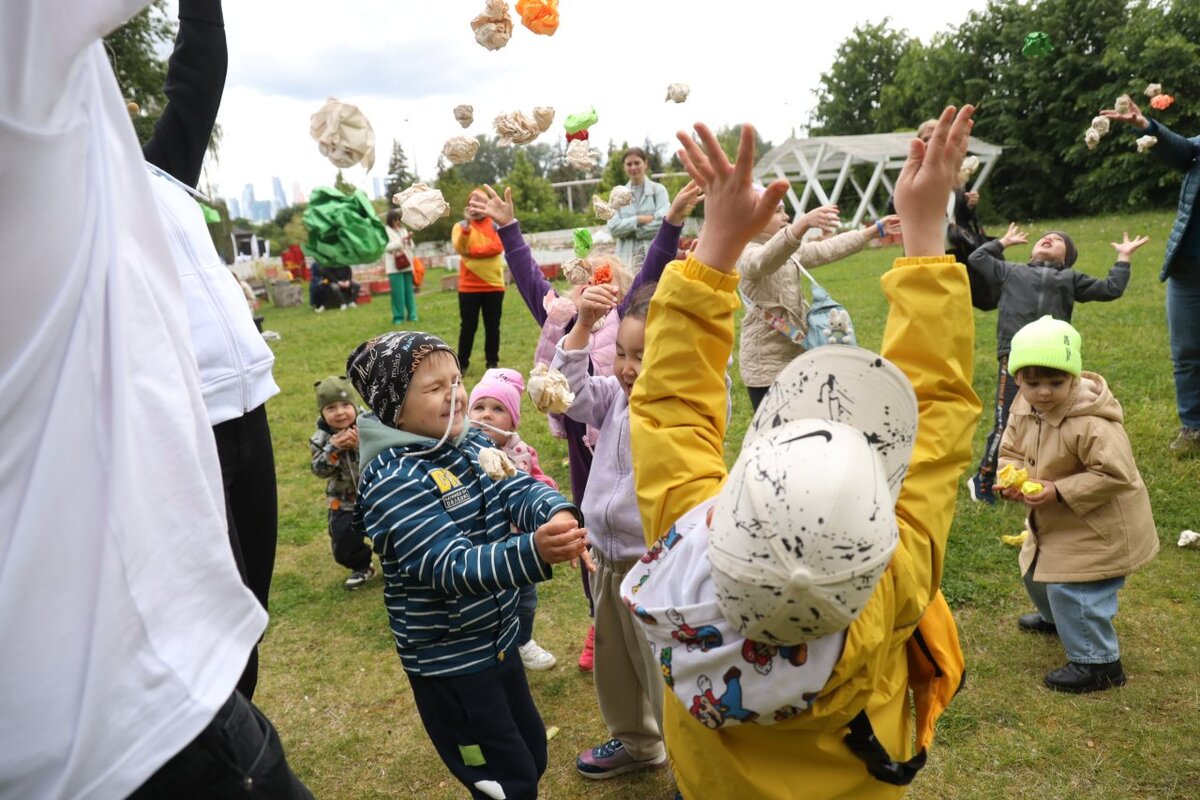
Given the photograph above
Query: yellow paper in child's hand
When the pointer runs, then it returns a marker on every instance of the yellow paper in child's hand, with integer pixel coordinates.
(1015, 541)
(1031, 487)
(1010, 476)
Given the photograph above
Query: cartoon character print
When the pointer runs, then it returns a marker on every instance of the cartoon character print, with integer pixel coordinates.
(642, 580)
(762, 655)
(641, 613)
(664, 543)
(787, 712)
(664, 662)
(713, 711)
(706, 637)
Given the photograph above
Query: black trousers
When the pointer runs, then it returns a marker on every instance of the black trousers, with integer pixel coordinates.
(238, 755)
(486, 728)
(470, 305)
(248, 473)
(348, 540)
(757, 393)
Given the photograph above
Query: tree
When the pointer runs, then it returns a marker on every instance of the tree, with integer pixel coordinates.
(342, 185)
(848, 99)
(531, 192)
(133, 52)
(730, 137)
(398, 176)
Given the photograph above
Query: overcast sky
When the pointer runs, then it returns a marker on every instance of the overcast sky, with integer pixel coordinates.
(407, 63)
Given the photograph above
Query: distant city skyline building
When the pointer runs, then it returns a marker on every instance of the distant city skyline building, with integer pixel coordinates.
(248, 201)
(262, 211)
(280, 197)
(298, 194)
(235, 208)
(377, 182)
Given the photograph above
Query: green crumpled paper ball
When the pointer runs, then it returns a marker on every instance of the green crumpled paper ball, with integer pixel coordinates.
(583, 242)
(1037, 44)
(343, 230)
(581, 121)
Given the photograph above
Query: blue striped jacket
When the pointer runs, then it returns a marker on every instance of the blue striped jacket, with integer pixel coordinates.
(451, 563)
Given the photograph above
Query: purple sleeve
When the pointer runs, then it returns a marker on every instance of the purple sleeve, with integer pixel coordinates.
(662, 251)
(531, 283)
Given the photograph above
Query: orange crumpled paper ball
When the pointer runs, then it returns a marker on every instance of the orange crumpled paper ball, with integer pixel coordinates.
(1161, 102)
(540, 16)
(602, 274)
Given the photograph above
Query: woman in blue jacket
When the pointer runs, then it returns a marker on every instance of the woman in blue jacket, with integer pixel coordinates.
(635, 225)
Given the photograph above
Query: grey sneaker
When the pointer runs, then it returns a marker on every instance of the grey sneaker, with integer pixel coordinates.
(359, 577)
(610, 760)
(1186, 443)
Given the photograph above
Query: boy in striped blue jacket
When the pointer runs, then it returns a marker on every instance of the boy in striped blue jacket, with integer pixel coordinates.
(451, 566)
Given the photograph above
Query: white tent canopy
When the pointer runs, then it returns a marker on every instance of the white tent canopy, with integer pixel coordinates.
(824, 165)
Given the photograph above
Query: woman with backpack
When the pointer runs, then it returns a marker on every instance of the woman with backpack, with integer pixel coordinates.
(772, 285)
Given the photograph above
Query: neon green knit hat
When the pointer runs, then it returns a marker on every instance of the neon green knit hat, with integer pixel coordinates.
(1047, 342)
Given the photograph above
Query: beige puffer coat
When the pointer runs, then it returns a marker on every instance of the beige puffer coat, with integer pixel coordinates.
(772, 282)
(1103, 527)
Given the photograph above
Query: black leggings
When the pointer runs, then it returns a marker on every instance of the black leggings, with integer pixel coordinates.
(248, 474)
(470, 304)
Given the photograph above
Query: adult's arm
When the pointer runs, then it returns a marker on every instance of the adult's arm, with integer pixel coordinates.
(195, 82)
(527, 275)
(662, 204)
(623, 223)
(662, 251)
(678, 407)
(1088, 289)
(1173, 149)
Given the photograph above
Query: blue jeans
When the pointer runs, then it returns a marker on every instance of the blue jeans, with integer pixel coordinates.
(1183, 322)
(527, 603)
(1083, 614)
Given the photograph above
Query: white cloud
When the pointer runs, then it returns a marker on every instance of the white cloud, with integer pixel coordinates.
(408, 63)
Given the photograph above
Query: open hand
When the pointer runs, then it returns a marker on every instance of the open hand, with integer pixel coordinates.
(561, 539)
(734, 212)
(1014, 235)
(1134, 117)
(891, 225)
(487, 203)
(684, 203)
(823, 218)
(1128, 247)
(926, 180)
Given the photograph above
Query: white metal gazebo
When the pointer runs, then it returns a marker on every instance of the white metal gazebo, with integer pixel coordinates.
(824, 165)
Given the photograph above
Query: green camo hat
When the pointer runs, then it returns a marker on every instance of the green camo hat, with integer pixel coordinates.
(1047, 342)
(334, 389)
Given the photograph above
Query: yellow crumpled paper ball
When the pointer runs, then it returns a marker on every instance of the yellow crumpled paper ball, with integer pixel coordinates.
(1031, 487)
(1010, 476)
(1015, 541)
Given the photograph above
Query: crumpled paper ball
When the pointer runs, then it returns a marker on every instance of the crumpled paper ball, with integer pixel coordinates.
(1010, 476)
(1016, 540)
(343, 134)
(1037, 44)
(1031, 487)
(496, 463)
(549, 390)
(577, 271)
(580, 156)
(581, 242)
(619, 197)
(969, 167)
(420, 206)
(516, 128)
(460, 149)
(1123, 104)
(1102, 125)
(465, 114)
(1144, 143)
(493, 28)
(577, 123)
(678, 92)
(1153, 90)
(559, 310)
(601, 209)
(1091, 138)
(539, 16)
(342, 229)
(544, 117)
(603, 274)
(1162, 102)
(1189, 539)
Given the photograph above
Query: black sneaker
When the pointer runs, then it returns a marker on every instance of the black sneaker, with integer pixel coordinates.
(1035, 623)
(1082, 678)
(359, 577)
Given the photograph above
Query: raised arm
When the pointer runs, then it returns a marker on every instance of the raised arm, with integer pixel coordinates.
(195, 83)
(1172, 149)
(527, 275)
(835, 248)
(594, 395)
(665, 247)
(766, 260)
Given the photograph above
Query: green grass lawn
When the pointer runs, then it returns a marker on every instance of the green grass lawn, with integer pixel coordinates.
(332, 683)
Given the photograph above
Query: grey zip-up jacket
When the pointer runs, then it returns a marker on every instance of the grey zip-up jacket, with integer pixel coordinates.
(1030, 291)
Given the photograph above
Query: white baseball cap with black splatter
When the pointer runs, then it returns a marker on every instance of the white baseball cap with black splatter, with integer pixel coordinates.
(805, 524)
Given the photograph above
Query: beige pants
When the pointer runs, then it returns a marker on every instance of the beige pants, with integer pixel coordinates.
(629, 684)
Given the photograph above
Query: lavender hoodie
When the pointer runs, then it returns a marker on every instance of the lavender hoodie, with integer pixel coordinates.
(533, 287)
(610, 507)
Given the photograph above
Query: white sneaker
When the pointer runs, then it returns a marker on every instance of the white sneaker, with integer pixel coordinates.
(343, 306)
(534, 657)
(319, 309)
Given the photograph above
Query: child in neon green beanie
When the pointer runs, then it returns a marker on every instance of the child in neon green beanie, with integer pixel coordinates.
(1091, 523)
